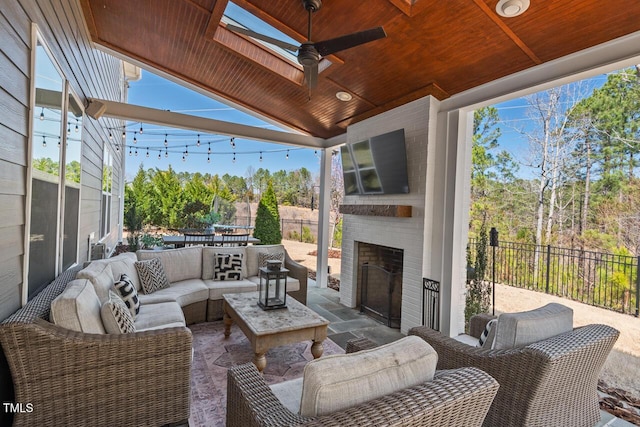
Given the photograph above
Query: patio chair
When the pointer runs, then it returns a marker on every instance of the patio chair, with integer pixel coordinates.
(551, 382)
(459, 397)
(193, 239)
(235, 239)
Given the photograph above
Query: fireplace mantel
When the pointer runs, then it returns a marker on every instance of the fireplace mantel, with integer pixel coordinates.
(399, 211)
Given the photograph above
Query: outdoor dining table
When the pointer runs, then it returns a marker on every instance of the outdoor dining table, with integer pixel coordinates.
(178, 240)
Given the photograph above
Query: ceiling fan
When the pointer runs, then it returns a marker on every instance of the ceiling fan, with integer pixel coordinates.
(309, 53)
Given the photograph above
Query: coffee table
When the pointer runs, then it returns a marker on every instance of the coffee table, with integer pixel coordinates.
(266, 329)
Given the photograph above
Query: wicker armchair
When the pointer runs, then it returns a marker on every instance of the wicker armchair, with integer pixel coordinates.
(459, 397)
(552, 382)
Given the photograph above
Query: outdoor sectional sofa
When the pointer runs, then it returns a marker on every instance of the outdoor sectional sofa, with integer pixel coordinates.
(72, 372)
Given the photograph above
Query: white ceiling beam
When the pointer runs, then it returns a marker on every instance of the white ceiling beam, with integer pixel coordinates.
(136, 113)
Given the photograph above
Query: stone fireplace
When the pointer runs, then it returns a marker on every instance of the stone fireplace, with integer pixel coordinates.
(379, 282)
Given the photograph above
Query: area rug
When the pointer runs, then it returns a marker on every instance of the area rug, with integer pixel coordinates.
(214, 354)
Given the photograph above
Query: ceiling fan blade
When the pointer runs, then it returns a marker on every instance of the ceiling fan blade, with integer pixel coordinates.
(327, 47)
(271, 40)
(311, 75)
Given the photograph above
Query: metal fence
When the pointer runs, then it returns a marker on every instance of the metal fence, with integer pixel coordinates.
(601, 279)
(301, 230)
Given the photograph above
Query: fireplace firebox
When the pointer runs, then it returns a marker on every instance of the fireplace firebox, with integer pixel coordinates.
(380, 282)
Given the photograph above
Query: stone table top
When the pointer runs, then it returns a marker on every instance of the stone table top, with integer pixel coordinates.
(263, 322)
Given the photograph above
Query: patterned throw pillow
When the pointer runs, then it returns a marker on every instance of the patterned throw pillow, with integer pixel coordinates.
(486, 332)
(152, 275)
(129, 295)
(116, 316)
(263, 257)
(228, 267)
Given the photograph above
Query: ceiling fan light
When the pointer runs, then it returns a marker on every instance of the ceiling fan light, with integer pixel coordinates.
(512, 8)
(344, 96)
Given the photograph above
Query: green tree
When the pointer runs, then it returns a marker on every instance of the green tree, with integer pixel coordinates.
(268, 218)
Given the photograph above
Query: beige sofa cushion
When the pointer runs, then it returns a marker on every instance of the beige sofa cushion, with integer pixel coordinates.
(179, 264)
(219, 287)
(116, 317)
(78, 308)
(252, 256)
(159, 315)
(293, 284)
(100, 275)
(337, 382)
(520, 329)
(124, 264)
(184, 293)
(209, 259)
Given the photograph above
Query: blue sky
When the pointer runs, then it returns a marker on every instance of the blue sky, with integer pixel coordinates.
(156, 92)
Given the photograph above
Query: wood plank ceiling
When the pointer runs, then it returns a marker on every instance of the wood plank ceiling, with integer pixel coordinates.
(437, 48)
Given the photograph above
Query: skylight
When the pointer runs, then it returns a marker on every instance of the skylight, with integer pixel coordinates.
(235, 15)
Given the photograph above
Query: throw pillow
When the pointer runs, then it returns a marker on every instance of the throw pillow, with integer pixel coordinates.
(116, 316)
(485, 334)
(263, 257)
(128, 293)
(228, 267)
(152, 275)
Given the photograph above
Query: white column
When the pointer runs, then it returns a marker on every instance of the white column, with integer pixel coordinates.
(323, 218)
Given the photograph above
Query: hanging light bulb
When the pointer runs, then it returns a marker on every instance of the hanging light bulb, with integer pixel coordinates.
(186, 150)
(159, 155)
(209, 150)
(124, 134)
(234, 157)
(198, 143)
(166, 153)
(287, 156)
(208, 159)
(165, 140)
(261, 156)
(135, 140)
(147, 151)
(44, 141)
(77, 128)
(315, 153)
(233, 143)
(42, 114)
(117, 148)
(130, 153)
(184, 159)
(68, 128)
(110, 135)
(135, 153)
(60, 143)
(141, 128)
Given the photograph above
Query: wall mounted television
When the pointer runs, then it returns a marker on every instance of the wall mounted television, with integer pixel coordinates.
(377, 165)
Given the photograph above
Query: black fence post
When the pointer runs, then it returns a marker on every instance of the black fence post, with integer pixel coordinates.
(301, 230)
(638, 286)
(548, 267)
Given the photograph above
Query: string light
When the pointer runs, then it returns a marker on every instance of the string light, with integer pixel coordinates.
(117, 148)
(287, 156)
(135, 153)
(208, 159)
(186, 151)
(147, 151)
(234, 157)
(42, 114)
(165, 140)
(198, 143)
(68, 128)
(233, 143)
(159, 154)
(261, 156)
(44, 141)
(184, 159)
(130, 151)
(140, 128)
(124, 134)
(77, 128)
(209, 150)
(59, 143)
(135, 140)
(166, 153)
(110, 136)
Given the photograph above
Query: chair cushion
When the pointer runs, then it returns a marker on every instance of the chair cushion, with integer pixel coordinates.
(219, 287)
(152, 275)
(293, 284)
(100, 275)
(519, 329)
(337, 382)
(209, 259)
(228, 267)
(124, 264)
(127, 291)
(78, 308)
(252, 256)
(185, 292)
(263, 257)
(179, 264)
(116, 316)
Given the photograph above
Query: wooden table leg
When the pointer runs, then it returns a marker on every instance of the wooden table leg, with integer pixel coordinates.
(317, 349)
(260, 361)
(228, 321)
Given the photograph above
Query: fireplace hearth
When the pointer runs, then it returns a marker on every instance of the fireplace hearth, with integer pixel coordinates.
(380, 282)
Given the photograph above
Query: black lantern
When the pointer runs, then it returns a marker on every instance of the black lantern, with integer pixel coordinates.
(272, 290)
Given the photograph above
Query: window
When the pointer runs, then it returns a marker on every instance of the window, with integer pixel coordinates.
(107, 184)
(55, 174)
